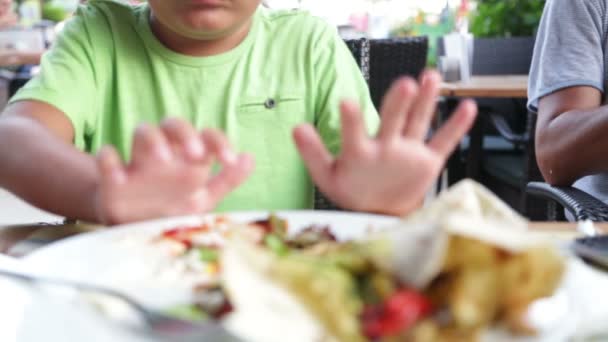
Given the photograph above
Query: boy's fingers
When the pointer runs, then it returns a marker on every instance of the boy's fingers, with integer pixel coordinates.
(150, 146)
(110, 166)
(354, 135)
(395, 108)
(316, 157)
(448, 137)
(184, 138)
(217, 143)
(424, 108)
(230, 177)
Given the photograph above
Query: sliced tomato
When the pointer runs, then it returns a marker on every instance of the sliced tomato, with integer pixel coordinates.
(396, 315)
(264, 225)
(185, 231)
(408, 302)
(184, 234)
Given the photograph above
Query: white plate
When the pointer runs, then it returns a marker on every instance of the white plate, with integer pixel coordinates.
(91, 256)
(32, 316)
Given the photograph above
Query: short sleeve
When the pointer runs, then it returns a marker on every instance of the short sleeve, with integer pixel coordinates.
(67, 77)
(569, 48)
(338, 78)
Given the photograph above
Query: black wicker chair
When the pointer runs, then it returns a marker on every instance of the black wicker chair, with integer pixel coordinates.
(393, 58)
(361, 52)
(382, 62)
(581, 205)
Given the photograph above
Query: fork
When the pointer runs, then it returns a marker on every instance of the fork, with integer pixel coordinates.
(157, 323)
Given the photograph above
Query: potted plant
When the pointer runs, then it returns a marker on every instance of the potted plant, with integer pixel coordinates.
(506, 18)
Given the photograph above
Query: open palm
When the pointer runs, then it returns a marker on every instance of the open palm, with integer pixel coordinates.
(169, 174)
(392, 172)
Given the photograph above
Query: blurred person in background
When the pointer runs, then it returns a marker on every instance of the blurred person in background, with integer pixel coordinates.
(8, 17)
(14, 57)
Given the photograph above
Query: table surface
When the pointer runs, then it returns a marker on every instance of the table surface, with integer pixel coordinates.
(505, 86)
(18, 240)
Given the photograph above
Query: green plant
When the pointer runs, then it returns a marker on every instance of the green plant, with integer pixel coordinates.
(506, 18)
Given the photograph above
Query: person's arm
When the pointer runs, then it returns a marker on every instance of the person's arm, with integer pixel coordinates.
(46, 126)
(169, 173)
(39, 163)
(566, 86)
(571, 139)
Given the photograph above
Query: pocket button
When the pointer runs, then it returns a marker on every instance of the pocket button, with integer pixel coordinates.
(270, 103)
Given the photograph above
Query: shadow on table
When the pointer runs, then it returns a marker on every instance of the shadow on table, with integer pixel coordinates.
(18, 240)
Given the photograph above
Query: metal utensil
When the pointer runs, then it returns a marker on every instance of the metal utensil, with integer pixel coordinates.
(157, 324)
(587, 228)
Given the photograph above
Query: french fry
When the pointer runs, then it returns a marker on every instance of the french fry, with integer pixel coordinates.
(531, 275)
(475, 297)
(464, 253)
(527, 277)
(481, 284)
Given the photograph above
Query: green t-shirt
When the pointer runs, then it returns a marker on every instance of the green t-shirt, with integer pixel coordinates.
(108, 73)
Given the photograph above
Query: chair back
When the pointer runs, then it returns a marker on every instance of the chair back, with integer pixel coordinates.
(393, 58)
(502, 56)
(499, 56)
(360, 50)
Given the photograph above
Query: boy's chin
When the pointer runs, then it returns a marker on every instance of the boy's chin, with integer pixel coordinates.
(207, 26)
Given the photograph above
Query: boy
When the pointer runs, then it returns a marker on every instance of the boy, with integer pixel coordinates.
(241, 74)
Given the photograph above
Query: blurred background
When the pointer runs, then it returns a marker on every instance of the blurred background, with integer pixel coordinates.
(361, 18)
(354, 18)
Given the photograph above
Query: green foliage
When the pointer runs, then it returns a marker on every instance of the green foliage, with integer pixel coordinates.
(507, 18)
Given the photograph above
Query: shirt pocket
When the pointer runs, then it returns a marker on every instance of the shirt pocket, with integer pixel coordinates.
(287, 104)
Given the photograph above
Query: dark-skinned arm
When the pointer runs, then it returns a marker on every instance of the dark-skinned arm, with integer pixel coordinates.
(571, 138)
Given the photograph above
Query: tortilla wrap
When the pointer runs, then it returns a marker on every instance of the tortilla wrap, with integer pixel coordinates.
(416, 247)
(473, 200)
(269, 304)
(272, 303)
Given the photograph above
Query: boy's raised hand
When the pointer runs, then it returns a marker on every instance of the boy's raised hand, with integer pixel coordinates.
(392, 172)
(169, 173)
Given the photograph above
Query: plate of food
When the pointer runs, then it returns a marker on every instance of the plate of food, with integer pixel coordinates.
(464, 268)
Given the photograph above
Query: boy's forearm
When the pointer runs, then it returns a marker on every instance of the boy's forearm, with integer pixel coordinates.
(45, 171)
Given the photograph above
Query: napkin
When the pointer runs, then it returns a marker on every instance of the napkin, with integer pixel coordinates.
(459, 46)
(585, 288)
(12, 296)
(469, 209)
